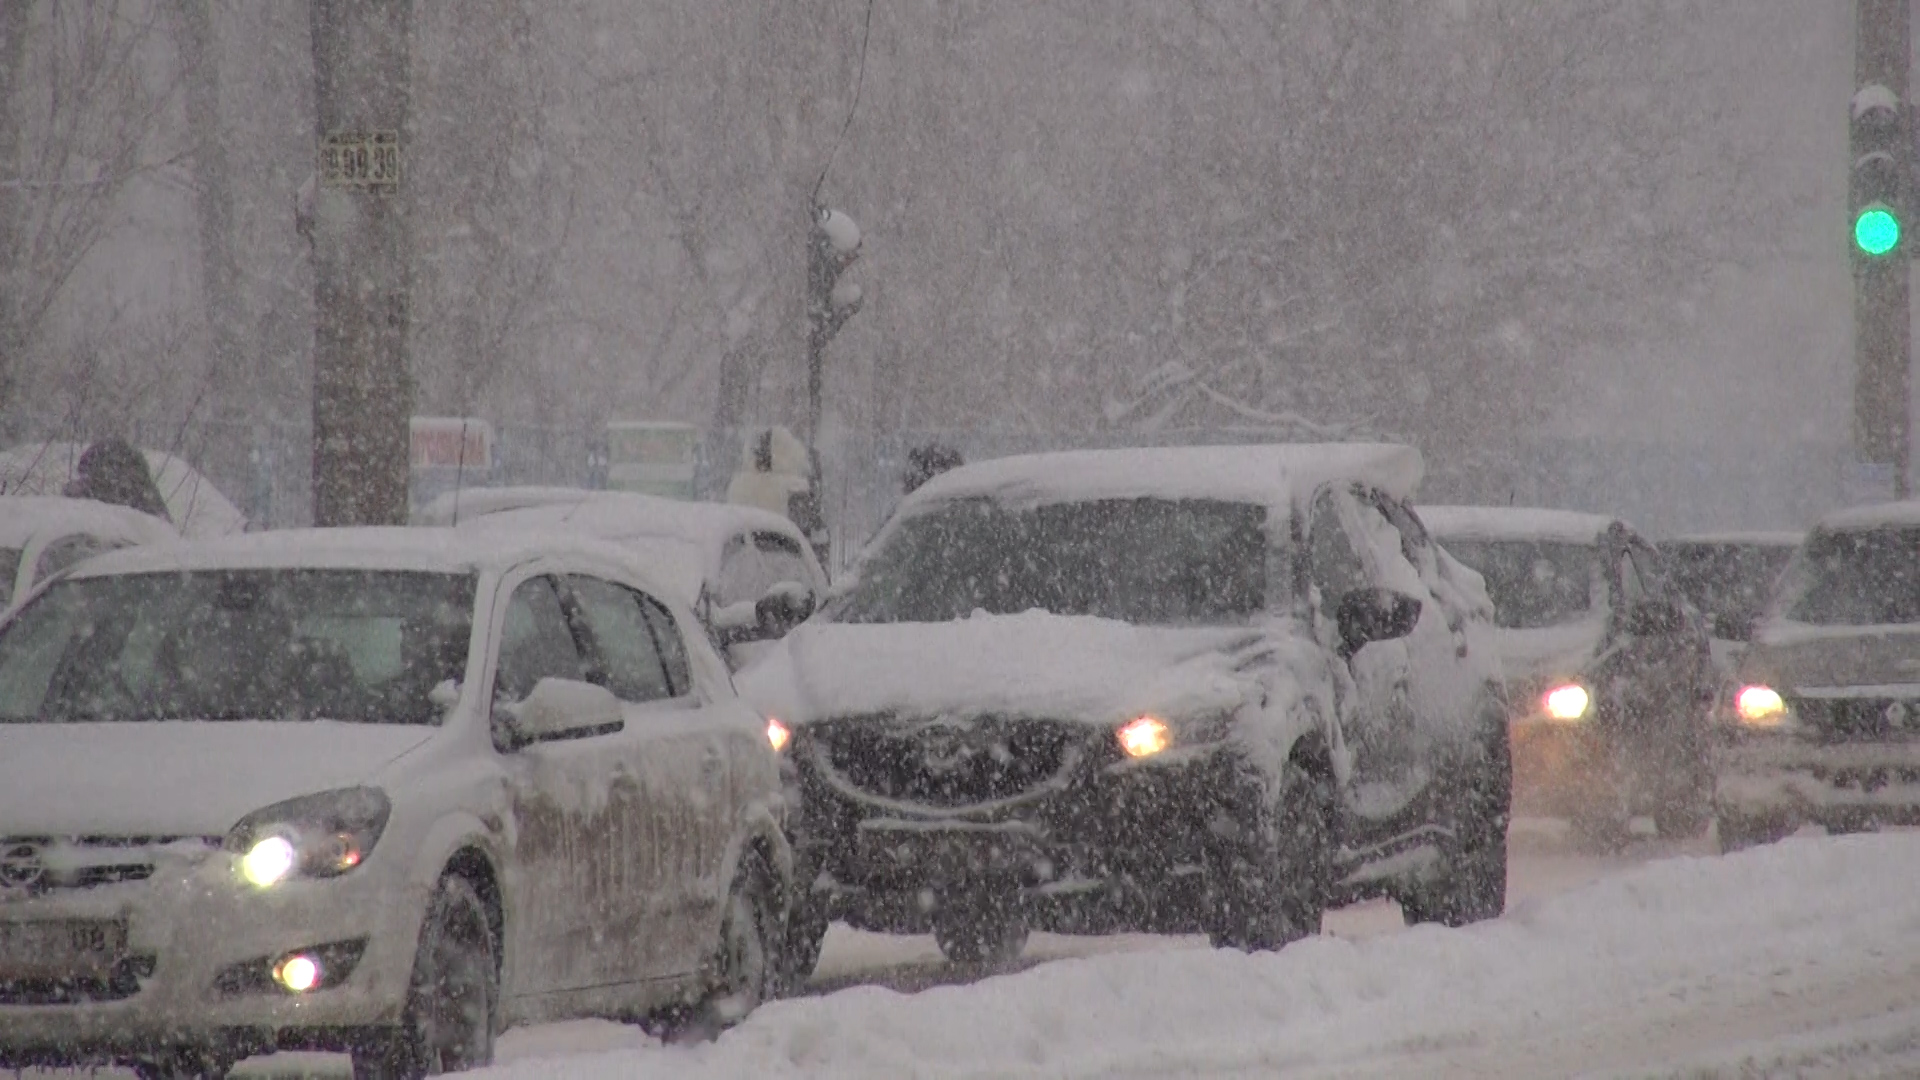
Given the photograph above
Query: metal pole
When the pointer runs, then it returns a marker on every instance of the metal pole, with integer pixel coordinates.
(1881, 298)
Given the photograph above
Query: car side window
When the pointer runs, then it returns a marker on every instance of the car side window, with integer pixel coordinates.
(673, 648)
(1333, 565)
(781, 561)
(67, 551)
(536, 643)
(630, 661)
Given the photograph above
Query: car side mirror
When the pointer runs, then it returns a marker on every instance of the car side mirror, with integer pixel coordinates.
(1654, 617)
(785, 606)
(558, 709)
(1365, 616)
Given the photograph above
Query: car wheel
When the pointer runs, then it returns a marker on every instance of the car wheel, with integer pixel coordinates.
(806, 932)
(1737, 831)
(1473, 885)
(742, 972)
(980, 932)
(1684, 817)
(452, 1000)
(1274, 892)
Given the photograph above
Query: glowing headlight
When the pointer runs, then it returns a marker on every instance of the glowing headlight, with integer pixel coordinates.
(269, 861)
(1760, 706)
(299, 973)
(1144, 737)
(777, 734)
(1566, 703)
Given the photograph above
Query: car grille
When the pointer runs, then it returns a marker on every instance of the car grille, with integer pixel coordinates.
(948, 762)
(1863, 718)
(32, 865)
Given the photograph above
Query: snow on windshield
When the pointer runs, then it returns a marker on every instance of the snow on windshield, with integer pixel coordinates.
(1155, 561)
(350, 645)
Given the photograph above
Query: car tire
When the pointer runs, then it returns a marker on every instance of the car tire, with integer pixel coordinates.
(743, 971)
(982, 932)
(453, 999)
(1274, 892)
(1473, 885)
(1736, 832)
(807, 924)
(1683, 819)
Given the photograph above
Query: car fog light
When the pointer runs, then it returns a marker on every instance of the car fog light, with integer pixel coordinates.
(299, 973)
(1760, 706)
(268, 862)
(1567, 703)
(1144, 737)
(777, 734)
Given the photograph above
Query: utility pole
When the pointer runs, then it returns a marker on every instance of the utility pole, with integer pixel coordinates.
(833, 245)
(1880, 197)
(357, 227)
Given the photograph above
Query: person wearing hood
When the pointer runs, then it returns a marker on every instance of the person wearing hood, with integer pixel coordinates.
(113, 471)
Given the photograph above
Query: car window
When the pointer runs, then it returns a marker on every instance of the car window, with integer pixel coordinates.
(67, 551)
(630, 660)
(1334, 566)
(780, 560)
(1632, 589)
(673, 648)
(536, 643)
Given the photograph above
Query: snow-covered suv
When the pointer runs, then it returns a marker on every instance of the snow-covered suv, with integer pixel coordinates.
(1178, 690)
(377, 791)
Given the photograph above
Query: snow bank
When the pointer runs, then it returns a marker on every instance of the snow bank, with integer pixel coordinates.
(1622, 974)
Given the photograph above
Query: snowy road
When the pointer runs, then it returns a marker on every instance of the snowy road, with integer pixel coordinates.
(1802, 959)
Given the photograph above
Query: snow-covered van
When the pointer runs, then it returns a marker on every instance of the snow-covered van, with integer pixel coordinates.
(1823, 721)
(376, 791)
(1608, 669)
(1169, 690)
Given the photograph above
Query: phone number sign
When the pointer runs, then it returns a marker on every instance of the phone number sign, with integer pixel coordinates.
(360, 159)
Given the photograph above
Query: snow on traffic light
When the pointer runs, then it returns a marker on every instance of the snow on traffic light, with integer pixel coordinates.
(1877, 188)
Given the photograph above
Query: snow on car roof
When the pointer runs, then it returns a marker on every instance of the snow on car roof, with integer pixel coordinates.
(370, 548)
(1757, 538)
(625, 515)
(23, 517)
(1878, 514)
(1270, 475)
(1513, 523)
(196, 506)
(468, 503)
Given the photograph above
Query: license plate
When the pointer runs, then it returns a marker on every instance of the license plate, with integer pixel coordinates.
(61, 949)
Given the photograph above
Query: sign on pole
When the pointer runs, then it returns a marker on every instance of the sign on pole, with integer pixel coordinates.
(360, 159)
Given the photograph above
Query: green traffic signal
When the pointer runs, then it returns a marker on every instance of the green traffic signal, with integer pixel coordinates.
(1876, 230)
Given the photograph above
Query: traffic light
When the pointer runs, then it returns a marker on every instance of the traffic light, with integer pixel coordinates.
(1877, 189)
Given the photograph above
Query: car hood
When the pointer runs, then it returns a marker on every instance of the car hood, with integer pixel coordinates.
(178, 778)
(1791, 655)
(1033, 664)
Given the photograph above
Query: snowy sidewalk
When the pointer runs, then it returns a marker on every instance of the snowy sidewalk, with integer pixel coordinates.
(1716, 962)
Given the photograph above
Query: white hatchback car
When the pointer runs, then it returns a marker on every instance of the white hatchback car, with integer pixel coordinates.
(380, 791)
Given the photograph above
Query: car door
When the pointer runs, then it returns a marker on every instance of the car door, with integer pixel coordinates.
(684, 813)
(574, 891)
(1374, 690)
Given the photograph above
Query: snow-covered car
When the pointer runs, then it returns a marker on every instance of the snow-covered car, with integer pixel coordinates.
(1607, 666)
(1823, 721)
(375, 791)
(465, 504)
(197, 507)
(748, 574)
(1174, 690)
(1729, 578)
(43, 535)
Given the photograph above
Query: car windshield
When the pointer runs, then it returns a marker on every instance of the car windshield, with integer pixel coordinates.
(1533, 583)
(352, 645)
(1856, 577)
(1151, 561)
(1727, 580)
(9, 568)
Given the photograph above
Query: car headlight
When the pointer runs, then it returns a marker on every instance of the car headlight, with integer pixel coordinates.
(1760, 707)
(1566, 703)
(1145, 736)
(778, 734)
(314, 836)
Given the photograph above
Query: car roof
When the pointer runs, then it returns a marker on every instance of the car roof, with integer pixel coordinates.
(366, 548)
(23, 517)
(1873, 516)
(1514, 523)
(625, 515)
(1271, 475)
